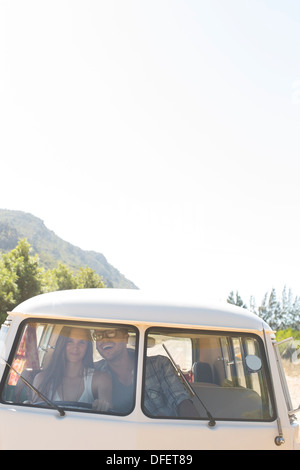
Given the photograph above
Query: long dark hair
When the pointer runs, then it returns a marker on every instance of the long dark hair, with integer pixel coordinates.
(54, 373)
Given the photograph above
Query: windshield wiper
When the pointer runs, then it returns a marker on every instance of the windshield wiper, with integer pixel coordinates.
(212, 421)
(35, 390)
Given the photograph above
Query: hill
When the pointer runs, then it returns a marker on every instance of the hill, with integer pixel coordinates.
(51, 249)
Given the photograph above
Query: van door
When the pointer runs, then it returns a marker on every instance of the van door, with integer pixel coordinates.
(231, 405)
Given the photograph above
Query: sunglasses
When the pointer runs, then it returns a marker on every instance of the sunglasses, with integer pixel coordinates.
(98, 335)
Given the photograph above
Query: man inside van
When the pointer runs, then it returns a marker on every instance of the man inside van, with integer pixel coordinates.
(164, 393)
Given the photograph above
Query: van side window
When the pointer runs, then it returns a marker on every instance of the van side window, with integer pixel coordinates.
(228, 372)
(74, 365)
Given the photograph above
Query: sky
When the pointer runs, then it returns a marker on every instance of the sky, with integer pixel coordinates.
(163, 134)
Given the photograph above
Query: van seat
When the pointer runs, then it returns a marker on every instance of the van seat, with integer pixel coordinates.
(228, 402)
(202, 372)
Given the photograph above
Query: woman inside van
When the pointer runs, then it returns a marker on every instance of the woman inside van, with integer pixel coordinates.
(70, 376)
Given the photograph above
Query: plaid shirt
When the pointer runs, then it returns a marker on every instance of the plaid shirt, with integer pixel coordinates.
(163, 390)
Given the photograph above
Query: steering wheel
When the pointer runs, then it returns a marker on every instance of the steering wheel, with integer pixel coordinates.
(67, 404)
(73, 404)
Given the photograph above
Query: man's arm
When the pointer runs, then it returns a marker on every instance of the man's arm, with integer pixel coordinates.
(186, 409)
(176, 391)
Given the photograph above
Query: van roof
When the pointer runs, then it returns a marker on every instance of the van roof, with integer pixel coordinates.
(133, 305)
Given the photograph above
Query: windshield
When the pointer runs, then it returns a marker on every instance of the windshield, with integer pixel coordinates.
(227, 373)
(70, 365)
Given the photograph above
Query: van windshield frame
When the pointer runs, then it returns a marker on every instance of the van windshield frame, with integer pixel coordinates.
(33, 350)
(220, 356)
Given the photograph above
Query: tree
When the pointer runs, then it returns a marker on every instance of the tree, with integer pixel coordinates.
(273, 312)
(294, 315)
(235, 299)
(60, 278)
(8, 289)
(88, 278)
(279, 314)
(25, 273)
(21, 277)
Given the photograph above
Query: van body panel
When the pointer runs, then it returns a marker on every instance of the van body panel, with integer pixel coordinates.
(46, 430)
(122, 305)
(150, 318)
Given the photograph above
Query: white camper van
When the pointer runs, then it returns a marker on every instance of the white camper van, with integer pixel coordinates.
(116, 369)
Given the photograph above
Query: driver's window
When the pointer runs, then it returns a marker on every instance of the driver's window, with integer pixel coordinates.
(76, 366)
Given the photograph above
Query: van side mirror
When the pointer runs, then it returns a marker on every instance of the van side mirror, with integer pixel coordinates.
(253, 363)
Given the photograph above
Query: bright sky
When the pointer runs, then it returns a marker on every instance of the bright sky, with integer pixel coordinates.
(163, 134)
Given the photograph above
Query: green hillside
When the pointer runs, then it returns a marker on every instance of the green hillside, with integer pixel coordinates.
(15, 225)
